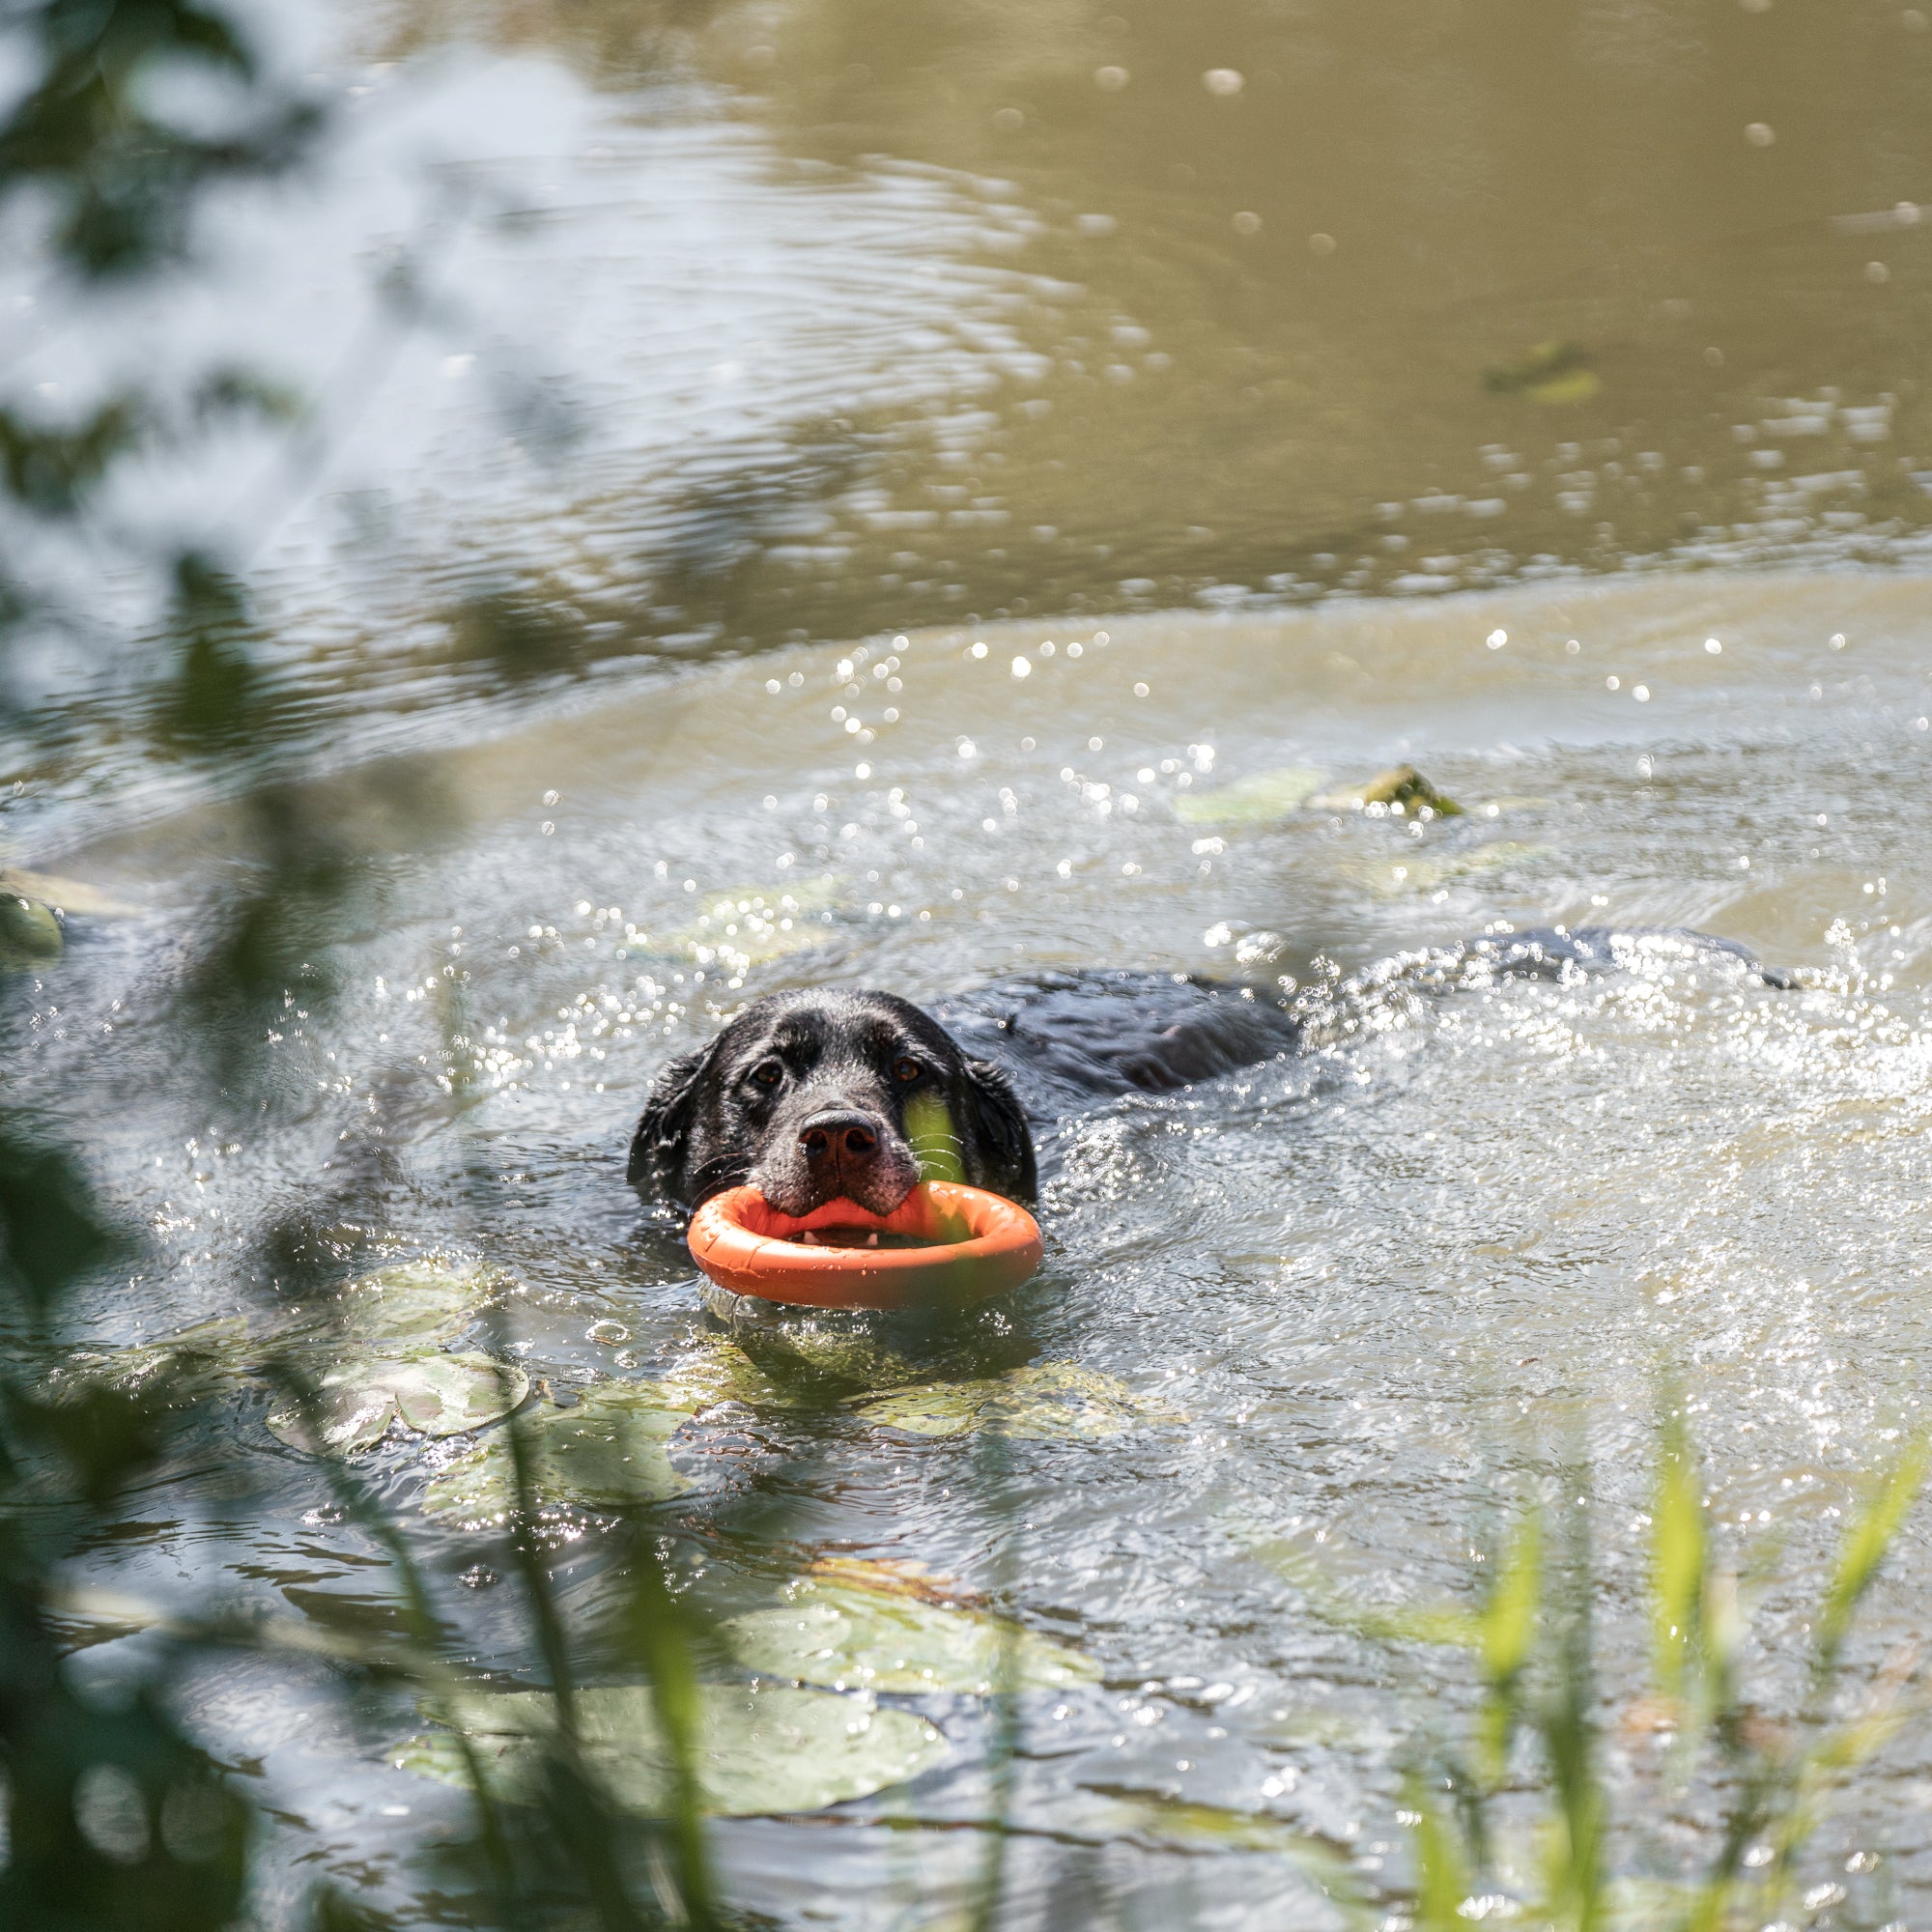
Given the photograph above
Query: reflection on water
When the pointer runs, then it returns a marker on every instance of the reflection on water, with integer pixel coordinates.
(737, 326)
(842, 516)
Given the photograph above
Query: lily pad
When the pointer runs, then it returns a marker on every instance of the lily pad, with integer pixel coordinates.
(30, 935)
(1415, 874)
(714, 1369)
(1048, 1401)
(605, 1453)
(761, 1748)
(877, 1627)
(1174, 1823)
(1259, 800)
(359, 1401)
(416, 1301)
(190, 1364)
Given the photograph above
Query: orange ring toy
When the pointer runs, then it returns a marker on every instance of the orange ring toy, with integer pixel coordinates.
(979, 1245)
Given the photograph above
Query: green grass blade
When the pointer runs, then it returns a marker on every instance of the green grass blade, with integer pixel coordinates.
(1678, 1562)
(1443, 1872)
(1866, 1544)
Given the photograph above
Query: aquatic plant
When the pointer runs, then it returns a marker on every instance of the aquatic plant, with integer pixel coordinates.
(1522, 1817)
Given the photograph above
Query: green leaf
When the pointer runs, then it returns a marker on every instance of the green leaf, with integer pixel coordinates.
(934, 1140)
(877, 1627)
(181, 1369)
(1678, 1561)
(1509, 1617)
(424, 1300)
(1507, 1634)
(1441, 1867)
(358, 1402)
(760, 1749)
(607, 1453)
(715, 1368)
(1048, 1401)
(1866, 1544)
(30, 935)
(1259, 800)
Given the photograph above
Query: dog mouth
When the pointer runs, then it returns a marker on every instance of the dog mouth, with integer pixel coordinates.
(838, 1158)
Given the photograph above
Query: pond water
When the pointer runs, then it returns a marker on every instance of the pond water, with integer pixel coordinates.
(967, 493)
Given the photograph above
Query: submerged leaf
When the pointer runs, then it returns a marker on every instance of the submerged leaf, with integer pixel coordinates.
(357, 1400)
(607, 1453)
(188, 1365)
(1047, 1402)
(1418, 874)
(423, 1300)
(1259, 800)
(760, 1749)
(871, 1628)
(715, 1368)
(30, 935)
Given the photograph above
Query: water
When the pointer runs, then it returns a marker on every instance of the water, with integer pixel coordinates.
(782, 369)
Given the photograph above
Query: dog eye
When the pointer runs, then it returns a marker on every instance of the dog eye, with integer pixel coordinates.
(908, 1071)
(768, 1072)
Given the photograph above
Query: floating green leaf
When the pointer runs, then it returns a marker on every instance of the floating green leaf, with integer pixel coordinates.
(187, 1365)
(359, 1400)
(30, 935)
(1551, 372)
(607, 1453)
(760, 1749)
(1175, 1823)
(714, 1369)
(1047, 1402)
(1259, 800)
(416, 1301)
(877, 1627)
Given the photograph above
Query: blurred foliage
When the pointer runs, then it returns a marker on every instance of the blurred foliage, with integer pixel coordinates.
(1521, 1818)
(115, 1818)
(122, 177)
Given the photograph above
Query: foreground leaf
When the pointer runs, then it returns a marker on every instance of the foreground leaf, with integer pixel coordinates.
(875, 1628)
(760, 1749)
(1259, 800)
(359, 1401)
(1048, 1401)
(607, 1453)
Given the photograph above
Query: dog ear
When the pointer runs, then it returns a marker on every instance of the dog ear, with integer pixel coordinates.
(663, 1137)
(1000, 1127)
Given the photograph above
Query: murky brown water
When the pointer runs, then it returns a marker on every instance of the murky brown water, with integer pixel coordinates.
(781, 357)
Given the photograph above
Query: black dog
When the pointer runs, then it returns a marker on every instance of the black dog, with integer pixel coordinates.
(805, 1094)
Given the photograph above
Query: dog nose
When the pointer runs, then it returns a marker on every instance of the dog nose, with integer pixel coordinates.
(831, 1137)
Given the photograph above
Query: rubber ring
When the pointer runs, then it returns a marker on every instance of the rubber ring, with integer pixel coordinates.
(981, 1245)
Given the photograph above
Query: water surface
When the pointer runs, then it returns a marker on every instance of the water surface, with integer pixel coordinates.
(924, 467)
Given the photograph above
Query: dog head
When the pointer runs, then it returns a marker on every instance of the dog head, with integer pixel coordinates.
(816, 1096)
